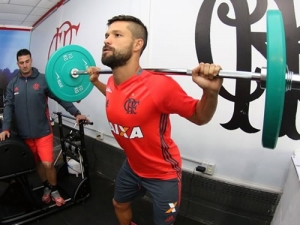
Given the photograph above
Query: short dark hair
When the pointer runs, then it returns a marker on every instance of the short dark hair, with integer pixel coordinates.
(138, 29)
(22, 52)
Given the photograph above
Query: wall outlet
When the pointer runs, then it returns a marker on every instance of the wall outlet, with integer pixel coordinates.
(209, 167)
(99, 135)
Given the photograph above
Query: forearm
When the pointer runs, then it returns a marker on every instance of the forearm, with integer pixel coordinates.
(8, 111)
(205, 108)
(6, 120)
(100, 86)
(6, 124)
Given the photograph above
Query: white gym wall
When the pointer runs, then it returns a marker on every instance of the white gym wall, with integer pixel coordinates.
(239, 156)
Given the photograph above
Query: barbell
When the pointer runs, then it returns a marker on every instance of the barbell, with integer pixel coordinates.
(66, 66)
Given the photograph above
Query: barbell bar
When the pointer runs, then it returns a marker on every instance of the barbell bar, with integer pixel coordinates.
(292, 80)
(223, 73)
(67, 64)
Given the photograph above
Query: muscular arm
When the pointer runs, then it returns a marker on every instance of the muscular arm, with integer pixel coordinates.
(205, 108)
(204, 77)
(100, 86)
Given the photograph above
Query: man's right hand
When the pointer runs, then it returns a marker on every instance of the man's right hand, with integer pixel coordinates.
(4, 134)
(93, 72)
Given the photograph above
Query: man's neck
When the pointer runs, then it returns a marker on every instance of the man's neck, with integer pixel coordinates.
(26, 75)
(123, 73)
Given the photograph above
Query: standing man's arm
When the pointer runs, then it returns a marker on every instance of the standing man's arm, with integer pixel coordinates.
(8, 113)
(69, 107)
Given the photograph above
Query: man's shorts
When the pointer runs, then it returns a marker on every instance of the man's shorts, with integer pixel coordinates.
(165, 194)
(42, 148)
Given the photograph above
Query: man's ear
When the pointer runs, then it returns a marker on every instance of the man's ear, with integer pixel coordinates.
(138, 45)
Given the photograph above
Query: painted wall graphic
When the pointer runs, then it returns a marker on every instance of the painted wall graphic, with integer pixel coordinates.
(245, 39)
(63, 36)
(10, 42)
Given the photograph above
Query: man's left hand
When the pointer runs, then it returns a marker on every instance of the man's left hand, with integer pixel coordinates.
(205, 76)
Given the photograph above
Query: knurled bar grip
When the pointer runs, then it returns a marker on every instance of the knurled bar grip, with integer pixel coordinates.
(292, 80)
(223, 73)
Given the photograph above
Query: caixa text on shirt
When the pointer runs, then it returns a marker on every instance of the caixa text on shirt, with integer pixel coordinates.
(126, 132)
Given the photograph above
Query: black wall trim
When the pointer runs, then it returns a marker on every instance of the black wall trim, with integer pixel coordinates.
(218, 202)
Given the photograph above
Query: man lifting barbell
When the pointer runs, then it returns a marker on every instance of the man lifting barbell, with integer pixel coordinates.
(67, 64)
(138, 105)
(26, 101)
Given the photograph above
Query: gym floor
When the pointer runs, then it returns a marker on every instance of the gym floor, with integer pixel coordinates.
(98, 209)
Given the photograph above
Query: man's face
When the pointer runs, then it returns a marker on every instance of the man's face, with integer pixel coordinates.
(24, 64)
(118, 46)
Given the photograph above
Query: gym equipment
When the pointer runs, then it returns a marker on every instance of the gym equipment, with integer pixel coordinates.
(276, 79)
(67, 65)
(16, 163)
(16, 158)
(21, 189)
(73, 88)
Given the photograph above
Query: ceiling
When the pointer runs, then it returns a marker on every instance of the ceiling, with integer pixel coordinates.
(23, 13)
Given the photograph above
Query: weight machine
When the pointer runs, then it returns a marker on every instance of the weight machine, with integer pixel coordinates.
(20, 188)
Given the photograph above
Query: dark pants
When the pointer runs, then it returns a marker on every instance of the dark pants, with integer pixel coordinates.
(165, 193)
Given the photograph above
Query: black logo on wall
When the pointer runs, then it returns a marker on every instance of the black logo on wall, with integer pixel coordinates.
(245, 40)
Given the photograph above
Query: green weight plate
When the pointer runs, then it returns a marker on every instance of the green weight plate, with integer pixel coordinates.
(58, 73)
(276, 80)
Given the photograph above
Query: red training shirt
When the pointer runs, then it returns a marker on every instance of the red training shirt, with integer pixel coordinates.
(138, 113)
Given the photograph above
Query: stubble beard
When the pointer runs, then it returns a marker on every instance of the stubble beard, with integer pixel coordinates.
(25, 72)
(117, 58)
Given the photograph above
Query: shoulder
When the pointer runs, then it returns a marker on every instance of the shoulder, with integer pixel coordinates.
(39, 77)
(13, 80)
(37, 73)
(110, 79)
(159, 80)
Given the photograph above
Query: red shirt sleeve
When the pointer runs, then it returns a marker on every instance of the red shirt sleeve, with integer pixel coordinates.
(169, 97)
